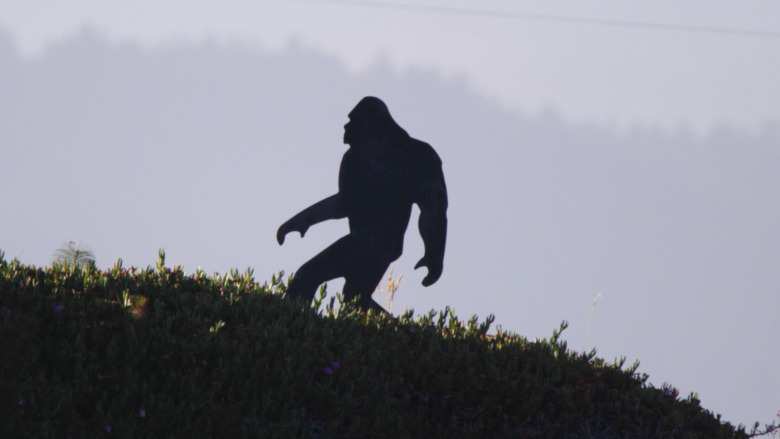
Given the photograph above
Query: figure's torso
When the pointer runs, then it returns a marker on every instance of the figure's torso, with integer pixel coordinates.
(379, 186)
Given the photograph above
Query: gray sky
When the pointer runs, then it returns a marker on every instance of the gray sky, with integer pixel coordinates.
(581, 159)
(621, 75)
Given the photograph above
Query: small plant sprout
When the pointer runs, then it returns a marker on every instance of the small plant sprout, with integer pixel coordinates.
(73, 255)
(217, 326)
(136, 302)
(587, 324)
(391, 288)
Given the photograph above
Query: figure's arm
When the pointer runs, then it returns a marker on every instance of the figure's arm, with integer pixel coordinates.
(433, 225)
(329, 208)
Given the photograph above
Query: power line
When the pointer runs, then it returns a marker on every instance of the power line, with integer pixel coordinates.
(556, 18)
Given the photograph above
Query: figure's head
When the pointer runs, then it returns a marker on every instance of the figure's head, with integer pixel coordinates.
(370, 119)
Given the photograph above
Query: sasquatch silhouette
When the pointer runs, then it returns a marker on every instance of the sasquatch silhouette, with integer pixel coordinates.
(383, 173)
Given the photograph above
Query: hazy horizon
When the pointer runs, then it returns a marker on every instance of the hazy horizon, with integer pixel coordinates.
(650, 64)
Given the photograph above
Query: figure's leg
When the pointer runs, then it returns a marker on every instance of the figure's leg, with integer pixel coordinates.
(329, 264)
(361, 281)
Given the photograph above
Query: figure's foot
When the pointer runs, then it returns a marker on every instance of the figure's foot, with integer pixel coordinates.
(301, 300)
(294, 293)
(370, 304)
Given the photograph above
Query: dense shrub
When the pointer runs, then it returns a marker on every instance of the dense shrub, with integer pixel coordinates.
(157, 352)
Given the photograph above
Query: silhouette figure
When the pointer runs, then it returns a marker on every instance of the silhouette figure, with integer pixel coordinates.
(382, 174)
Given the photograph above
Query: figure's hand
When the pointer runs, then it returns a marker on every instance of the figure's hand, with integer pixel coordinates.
(294, 224)
(434, 270)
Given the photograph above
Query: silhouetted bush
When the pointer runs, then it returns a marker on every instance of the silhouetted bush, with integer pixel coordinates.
(157, 352)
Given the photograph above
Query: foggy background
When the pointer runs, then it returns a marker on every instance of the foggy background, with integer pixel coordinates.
(636, 162)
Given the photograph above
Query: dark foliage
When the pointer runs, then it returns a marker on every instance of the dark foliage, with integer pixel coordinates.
(160, 353)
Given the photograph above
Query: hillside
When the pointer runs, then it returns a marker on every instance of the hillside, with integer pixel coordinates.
(156, 352)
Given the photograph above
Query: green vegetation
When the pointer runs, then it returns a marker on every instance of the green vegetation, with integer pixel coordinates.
(157, 352)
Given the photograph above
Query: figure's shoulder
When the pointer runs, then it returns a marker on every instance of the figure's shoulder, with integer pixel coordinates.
(424, 153)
